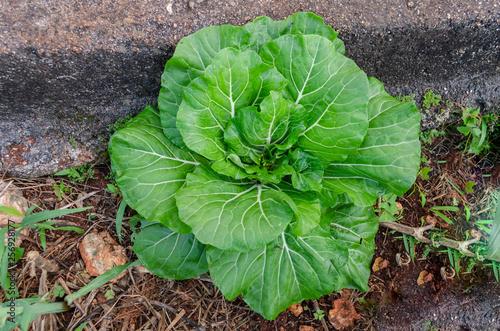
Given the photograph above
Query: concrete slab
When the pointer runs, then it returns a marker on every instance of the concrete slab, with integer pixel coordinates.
(69, 69)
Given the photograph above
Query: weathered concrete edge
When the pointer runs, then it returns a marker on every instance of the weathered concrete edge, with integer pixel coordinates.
(403, 66)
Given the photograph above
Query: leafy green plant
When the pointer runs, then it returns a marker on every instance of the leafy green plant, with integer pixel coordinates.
(59, 291)
(476, 129)
(405, 98)
(427, 135)
(388, 208)
(319, 314)
(430, 100)
(263, 162)
(78, 174)
(61, 189)
(110, 294)
(424, 172)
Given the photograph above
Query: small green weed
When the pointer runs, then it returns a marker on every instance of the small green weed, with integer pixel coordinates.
(427, 135)
(476, 129)
(109, 295)
(405, 98)
(469, 186)
(409, 243)
(424, 172)
(72, 140)
(78, 174)
(319, 314)
(61, 189)
(59, 291)
(388, 209)
(431, 100)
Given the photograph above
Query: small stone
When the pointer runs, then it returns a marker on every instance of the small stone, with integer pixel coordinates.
(101, 253)
(296, 309)
(343, 314)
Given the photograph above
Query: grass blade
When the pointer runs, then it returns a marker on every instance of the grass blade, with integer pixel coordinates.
(100, 281)
(48, 214)
(119, 219)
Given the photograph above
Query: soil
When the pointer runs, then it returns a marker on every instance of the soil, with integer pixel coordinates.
(410, 296)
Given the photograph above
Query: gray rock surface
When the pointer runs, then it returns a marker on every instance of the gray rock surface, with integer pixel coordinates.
(69, 68)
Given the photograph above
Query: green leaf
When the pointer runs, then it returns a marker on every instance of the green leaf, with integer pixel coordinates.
(230, 214)
(233, 81)
(463, 129)
(306, 208)
(264, 29)
(48, 214)
(390, 153)
(192, 56)
(150, 169)
(270, 278)
(292, 269)
(119, 219)
(308, 171)
(10, 211)
(354, 228)
(493, 251)
(169, 254)
(330, 86)
(361, 190)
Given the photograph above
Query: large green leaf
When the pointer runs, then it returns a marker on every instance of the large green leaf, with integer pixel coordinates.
(234, 80)
(192, 55)
(286, 271)
(230, 214)
(305, 205)
(363, 191)
(150, 169)
(494, 239)
(308, 171)
(330, 86)
(354, 228)
(389, 156)
(264, 29)
(169, 254)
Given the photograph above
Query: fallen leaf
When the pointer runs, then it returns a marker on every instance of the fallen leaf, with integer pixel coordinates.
(296, 309)
(424, 277)
(306, 328)
(343, 314)
(379, 264)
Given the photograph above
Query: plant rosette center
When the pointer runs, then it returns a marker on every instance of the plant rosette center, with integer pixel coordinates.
(262, 163)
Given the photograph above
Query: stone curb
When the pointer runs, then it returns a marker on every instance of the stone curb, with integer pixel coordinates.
(69, 70)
